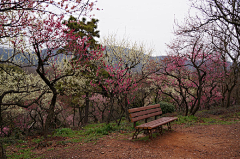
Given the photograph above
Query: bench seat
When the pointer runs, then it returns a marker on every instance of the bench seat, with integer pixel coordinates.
(155, 123)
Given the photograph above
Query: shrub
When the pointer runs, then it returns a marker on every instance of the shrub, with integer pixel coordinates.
(167, 107)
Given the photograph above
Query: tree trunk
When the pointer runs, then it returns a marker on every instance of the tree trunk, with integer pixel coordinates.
(228, 98)
(1, 123)
(126, 109)
(111, 110)
(80, 115)
(199, 96)
(156, 98)
(237, 96)
(186, 111)
(1, 119)
(74, 114)
(86, 108)
(50, 115)
(2, 152)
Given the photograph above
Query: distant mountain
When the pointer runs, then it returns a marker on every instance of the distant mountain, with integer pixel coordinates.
(6, 53)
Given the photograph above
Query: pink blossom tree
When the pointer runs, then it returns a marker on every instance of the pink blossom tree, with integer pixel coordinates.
(191, 78)
(123, 61)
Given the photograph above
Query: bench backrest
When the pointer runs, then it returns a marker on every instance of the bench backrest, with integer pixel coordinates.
(140, 113)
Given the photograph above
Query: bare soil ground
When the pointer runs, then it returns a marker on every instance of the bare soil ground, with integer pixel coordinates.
(208, 141)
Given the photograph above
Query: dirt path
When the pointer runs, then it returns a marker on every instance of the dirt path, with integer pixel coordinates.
(211, 141)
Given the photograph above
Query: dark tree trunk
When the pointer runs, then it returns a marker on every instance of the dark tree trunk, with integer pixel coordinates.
(237, 96)
(74, 114)
(80, 115)
(86, 108)
(199, 96)
(126, 109)
(228, 98)
(50, 116)
(1, 123)
(111, 110)
(156, 98)
(2, 152)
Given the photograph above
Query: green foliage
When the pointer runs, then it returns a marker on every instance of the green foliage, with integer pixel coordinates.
(22, 141)
(64, 132)
(76, 140)
(186, 119)
(92, 132)
(102, 130)
(50, 149)
(23, 153)
(37, 140)
(21, 146)
(167, 107)
(63, 142)
(238, 114)
(193, 120)
(211, 121)
(85, 28)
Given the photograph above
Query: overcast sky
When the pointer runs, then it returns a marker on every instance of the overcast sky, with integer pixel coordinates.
(145, 21)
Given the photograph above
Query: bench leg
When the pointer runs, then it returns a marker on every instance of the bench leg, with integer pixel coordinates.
(146, 132)
(159, 128)
(169, 126)
(150, 133)
(136, 134)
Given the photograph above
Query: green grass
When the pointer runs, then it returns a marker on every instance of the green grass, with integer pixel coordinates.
(21, 146)
(194, 120)
(21, 154)
(50, 149)
(145, 138)
(92, 132)
(64, 132)
(186, 119)
(216, 115)
(8, 140)
(211, 121)
(22, 141)
(37, 140)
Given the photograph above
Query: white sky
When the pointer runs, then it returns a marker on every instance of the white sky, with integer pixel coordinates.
(148, 21)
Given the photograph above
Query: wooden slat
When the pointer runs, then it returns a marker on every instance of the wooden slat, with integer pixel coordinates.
(143, 108)
(146, 116)
(145, 112)
(156, 123)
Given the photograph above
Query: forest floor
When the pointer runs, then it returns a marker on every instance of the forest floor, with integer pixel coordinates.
(210, 135)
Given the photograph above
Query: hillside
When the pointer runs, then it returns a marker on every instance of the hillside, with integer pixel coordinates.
(204, 136)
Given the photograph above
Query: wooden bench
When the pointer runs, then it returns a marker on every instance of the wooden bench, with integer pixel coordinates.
(141, 113)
